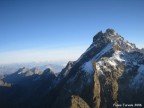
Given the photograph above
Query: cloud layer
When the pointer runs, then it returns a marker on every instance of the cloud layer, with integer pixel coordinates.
(52, 55)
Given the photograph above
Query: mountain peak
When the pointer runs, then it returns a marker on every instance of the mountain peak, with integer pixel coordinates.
(109, 72)
(117, 41)
(23, 69)
(110, 31)
(36, 71)
(48, 71)
(98, 35)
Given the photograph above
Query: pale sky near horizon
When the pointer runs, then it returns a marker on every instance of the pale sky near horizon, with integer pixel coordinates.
(45, 30)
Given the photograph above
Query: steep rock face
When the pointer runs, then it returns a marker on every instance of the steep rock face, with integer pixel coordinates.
(65, 71)
(96, 88)
(77, 102)
(57, 85)
(105, 73)
(109, 72)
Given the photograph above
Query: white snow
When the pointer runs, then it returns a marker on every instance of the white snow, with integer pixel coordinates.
(113, 61)
(119, 41)
(88, 66)
(98, 68)
(23, 71)
(117, 55)
(132, 46)
(116, 58)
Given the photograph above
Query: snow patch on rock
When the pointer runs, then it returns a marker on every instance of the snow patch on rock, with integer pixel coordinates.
(88, 67)
(101, 53)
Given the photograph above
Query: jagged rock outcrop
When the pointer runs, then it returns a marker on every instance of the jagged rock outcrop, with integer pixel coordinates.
(77, 102)
(105, 73)
(109, 73)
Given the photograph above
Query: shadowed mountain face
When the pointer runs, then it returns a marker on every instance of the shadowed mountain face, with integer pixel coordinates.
(108, 73)
(25, 88)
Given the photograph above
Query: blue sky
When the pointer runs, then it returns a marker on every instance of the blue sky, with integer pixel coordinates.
(56, 30)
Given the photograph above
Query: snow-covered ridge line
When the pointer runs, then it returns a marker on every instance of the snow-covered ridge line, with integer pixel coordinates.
(102, 52)
(88, 66)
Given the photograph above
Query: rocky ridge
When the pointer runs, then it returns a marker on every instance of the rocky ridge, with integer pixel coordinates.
(109, 73)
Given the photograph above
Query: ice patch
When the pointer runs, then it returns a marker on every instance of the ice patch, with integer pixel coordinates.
(106, 49)
(88, 67)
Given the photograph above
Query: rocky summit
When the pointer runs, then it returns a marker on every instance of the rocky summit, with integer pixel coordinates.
(110, 73)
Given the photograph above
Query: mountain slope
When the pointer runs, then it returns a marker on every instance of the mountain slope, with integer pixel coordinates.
(25, 88)
(110, 71)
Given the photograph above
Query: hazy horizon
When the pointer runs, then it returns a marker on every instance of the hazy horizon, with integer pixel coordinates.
(51, 56)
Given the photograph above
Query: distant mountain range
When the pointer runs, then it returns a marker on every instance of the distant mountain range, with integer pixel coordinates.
(11, 68)
(109, 74)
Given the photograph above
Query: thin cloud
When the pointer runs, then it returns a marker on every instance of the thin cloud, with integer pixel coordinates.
(52, 55)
